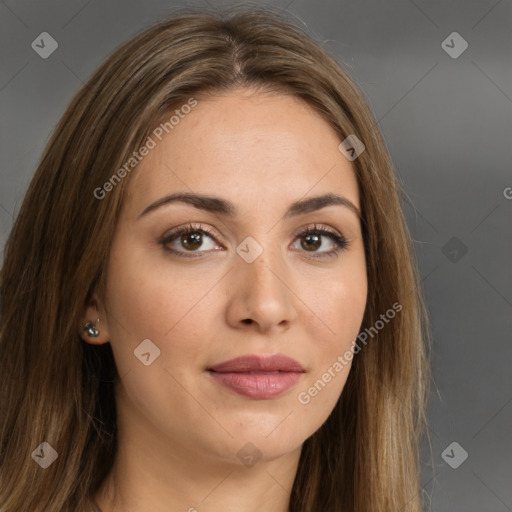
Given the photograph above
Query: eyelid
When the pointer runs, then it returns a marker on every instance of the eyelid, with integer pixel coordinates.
(191, 227)
(318, 227)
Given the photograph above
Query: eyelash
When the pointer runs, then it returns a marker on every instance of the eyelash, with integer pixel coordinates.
(341, 242)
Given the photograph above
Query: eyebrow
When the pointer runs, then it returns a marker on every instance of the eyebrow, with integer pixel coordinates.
(221, 206)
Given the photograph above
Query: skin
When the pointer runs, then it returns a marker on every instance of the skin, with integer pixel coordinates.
(179, 430)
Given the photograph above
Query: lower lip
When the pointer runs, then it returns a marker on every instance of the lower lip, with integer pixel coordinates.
(257, 385)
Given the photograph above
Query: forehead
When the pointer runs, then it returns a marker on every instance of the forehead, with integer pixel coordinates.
(246, 146)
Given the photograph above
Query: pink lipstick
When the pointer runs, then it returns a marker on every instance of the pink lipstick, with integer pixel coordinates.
(258, 376)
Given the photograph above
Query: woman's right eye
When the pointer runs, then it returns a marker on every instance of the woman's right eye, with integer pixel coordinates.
(189, 237)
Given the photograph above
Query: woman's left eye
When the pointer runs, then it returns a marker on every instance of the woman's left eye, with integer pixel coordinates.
(191, 239)
(313, 238)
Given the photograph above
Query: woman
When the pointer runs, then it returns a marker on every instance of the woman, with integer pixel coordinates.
(209, 297)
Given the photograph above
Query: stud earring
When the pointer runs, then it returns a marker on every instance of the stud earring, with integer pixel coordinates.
(91, 330)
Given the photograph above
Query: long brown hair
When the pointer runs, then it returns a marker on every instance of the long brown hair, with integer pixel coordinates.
(60, 390)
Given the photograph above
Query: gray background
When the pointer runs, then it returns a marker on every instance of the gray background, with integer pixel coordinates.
(447, 123)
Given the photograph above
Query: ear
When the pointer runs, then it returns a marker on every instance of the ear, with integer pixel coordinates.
(95, 314)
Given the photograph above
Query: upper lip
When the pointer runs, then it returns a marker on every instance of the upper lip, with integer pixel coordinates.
(255, 362)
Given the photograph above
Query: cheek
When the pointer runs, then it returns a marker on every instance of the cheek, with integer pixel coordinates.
(151, 301)
(345, 304)
(160, 304)
(337, 307)
(342, 309)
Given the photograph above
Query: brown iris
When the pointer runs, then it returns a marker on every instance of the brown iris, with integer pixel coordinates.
(314, 238)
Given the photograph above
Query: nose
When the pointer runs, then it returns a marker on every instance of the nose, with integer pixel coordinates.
(261, 295)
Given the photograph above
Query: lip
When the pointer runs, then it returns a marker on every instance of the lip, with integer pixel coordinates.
(258, 376)
(259, 363)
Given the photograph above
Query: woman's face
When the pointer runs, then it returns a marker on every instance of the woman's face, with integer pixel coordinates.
(253, 284)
